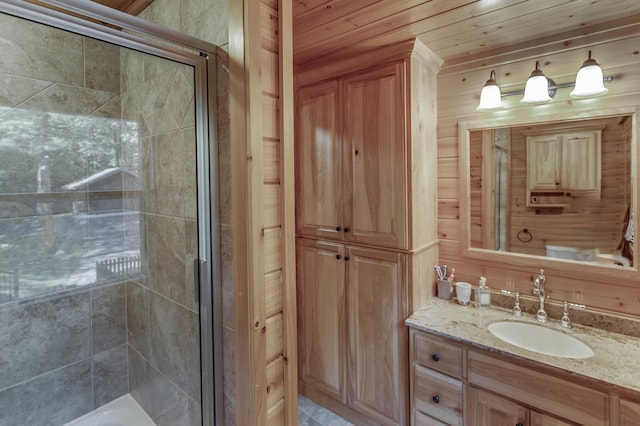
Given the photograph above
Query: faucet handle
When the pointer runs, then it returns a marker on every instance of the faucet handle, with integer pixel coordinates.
(516, 307)
(565, 321)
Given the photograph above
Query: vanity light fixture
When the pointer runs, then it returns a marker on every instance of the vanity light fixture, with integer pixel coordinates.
(540, 89)
(490, 98)
(589, 80)
(537, 89)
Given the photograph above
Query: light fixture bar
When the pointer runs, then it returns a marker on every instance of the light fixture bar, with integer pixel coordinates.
(552, 87)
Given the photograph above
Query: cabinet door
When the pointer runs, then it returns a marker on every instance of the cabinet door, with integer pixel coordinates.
(539, 419)
(321, 317)
(544, 162)
(319, 177)
(485, 408)
(377, 335)
(629, 413)
(581, 161)
(375, 151)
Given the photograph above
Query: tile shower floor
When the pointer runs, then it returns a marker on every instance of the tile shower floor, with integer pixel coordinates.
(311, 414)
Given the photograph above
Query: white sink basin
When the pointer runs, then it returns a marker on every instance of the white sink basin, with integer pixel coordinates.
(540, 339)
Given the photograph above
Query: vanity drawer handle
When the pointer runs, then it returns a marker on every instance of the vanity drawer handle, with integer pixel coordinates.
(436, 399)
(435, 357)
(519, 424)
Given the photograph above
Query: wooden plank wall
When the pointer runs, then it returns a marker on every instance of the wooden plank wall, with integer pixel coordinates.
(264, 253)
(459, 86)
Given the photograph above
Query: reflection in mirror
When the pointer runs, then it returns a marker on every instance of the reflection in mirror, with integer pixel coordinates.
(554, 189)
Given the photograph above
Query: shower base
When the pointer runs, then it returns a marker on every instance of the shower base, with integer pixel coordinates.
(123, 411)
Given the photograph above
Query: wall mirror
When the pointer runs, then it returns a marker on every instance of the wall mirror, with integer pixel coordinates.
(551, 190)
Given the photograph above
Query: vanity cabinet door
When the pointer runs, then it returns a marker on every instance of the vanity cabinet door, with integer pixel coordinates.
(375, 153)
(377, 354)
(319, 167)
(539, 419)
(485, 408)
(321, 318)
(629, 413)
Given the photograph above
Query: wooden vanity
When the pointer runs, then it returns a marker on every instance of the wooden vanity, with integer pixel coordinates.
(454, 381)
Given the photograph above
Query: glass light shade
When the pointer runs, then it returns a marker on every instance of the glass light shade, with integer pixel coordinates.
(537, 89)
(490, 98)
(589, 81)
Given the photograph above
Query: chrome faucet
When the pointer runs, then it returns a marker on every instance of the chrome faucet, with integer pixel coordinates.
(538, 290)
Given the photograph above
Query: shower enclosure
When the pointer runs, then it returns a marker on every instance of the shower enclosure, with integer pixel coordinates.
(108, 219)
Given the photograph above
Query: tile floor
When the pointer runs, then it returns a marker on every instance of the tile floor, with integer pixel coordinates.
(311, 414)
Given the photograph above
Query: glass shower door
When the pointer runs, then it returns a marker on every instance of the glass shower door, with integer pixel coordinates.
(101, 224)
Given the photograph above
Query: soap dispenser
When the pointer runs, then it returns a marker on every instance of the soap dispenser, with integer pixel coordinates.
(484, 294)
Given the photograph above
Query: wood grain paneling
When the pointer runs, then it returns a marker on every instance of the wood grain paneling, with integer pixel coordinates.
(454, 30)
(260, 49)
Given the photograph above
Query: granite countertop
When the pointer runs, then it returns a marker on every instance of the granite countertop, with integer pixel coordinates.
(615, 357)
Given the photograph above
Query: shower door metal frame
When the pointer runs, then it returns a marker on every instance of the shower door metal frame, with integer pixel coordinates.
(202, 56)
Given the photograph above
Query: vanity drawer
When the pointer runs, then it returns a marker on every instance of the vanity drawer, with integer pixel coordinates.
(434, 353)
(551, 394)
(438, 395)
(422, 419)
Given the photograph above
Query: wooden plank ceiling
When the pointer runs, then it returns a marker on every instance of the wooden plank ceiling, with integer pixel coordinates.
(456, 30)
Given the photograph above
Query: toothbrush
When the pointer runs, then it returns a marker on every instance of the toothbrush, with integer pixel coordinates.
(453, 273)
(439, 272)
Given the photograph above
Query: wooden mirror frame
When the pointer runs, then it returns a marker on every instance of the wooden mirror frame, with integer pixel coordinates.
(575, 281)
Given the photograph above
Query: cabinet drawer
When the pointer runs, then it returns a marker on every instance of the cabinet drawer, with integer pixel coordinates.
(438, 355)
(422, 419)
(438, 395)
(556, 396)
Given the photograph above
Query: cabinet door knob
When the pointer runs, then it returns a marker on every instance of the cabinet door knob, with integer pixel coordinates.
(346, 258)
(347, 229)
(519, 424)
(338, 256)
(338, 228)
(436, 399)
(435, 357)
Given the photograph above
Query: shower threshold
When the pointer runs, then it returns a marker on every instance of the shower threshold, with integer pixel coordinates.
(123, 411)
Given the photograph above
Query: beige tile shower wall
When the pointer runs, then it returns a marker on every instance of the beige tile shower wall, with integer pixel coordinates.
(208, 20)
(459, 86)
(163, 320)
(68, 74)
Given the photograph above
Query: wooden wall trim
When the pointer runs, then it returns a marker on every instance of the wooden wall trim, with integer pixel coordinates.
(287, 191)
(248, 238)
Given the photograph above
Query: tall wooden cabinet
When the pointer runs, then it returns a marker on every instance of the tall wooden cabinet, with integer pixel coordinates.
(351, 175)
(366, 221)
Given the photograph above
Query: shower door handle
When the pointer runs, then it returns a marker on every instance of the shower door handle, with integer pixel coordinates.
(199, 271)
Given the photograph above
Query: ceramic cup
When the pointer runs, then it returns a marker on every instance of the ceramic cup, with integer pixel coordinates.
(463, 293)
(444, 289)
